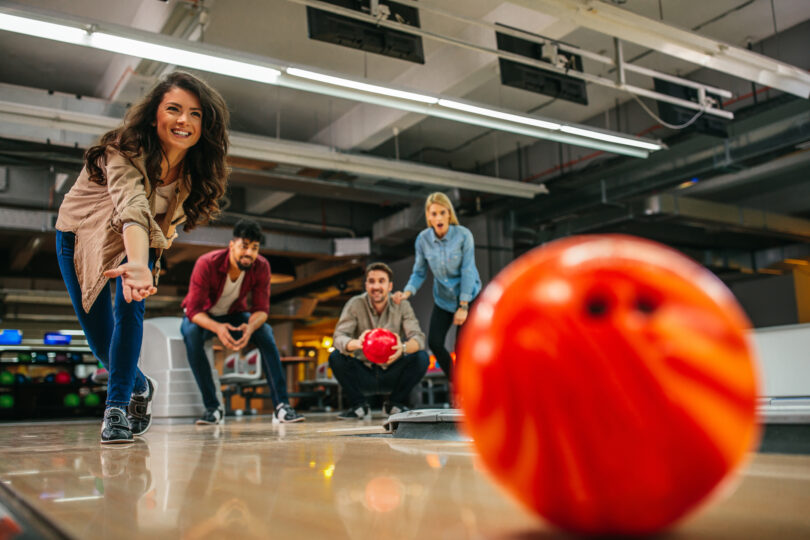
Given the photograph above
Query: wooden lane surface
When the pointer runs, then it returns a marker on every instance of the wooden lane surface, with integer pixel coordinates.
(321, 479)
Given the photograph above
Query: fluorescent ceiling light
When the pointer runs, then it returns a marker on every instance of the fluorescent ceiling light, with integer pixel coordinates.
(180, 57)
(139, 48)
(365, 87)
(528, 120)
(610, 138)
(31, 27)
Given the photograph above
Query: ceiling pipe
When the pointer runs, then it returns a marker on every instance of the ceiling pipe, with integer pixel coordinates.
(298, 226)
(289, 152)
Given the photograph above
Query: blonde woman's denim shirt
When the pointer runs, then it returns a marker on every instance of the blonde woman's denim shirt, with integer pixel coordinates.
(452, 261)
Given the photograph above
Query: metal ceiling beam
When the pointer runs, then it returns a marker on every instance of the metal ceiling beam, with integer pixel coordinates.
(771, 169)
(43, 221)
(779, 128)
(294, 153)
(614, 21)
(323, 157)
(290, 245)
(259, 201)
(675, 209)
(730, 216)
(347, 190)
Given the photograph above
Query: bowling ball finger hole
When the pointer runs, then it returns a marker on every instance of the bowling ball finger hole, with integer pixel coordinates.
(646, 305)
(597, 306)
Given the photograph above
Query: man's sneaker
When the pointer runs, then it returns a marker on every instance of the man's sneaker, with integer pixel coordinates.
(139, 411)
(285, 414)
(394, 408)
(212, 416)
(115, 427)
(359, 412)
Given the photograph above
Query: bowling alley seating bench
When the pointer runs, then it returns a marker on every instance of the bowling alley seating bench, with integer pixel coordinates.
(432, 386)
(326, 387)
(259, 389)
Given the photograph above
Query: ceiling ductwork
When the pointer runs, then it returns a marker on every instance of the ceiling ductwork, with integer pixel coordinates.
(49, 124)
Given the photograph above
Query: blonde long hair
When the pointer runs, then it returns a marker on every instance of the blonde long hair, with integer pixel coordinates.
(442, 200)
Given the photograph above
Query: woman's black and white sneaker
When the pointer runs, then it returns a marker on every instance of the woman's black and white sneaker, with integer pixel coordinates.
(115, 428)
(359, 412)
(394, 408)
(211, 417)
(285, 414)
(139, 411)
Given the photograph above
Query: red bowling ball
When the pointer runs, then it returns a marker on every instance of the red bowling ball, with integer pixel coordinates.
(378, 345)
(608, 383)
(62, 378)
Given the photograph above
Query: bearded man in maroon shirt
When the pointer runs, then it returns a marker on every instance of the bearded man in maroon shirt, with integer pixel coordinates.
(216, 305)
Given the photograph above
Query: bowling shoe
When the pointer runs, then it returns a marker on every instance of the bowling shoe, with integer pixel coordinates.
(211, 417)
(359, 412)
(139, 411)
(285, 414)
(115, 428)
(394, 408)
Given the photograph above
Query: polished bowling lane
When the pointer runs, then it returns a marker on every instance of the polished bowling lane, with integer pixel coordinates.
(320, 479)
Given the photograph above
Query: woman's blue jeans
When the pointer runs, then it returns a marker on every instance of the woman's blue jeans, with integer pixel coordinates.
(114, 333)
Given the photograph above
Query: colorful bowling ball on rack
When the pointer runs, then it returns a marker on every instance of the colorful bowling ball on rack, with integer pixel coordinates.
(6, 377)
(20, 378)
(92, 400)
(6, 401)
(378, 345)
(71, 400)
(60, 357)
(608, 383)
(63, 377)
(23, 356)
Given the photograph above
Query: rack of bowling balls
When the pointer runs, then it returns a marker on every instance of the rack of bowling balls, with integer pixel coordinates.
(48, 383)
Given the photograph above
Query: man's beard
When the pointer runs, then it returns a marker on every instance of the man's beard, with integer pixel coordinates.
(242, 266)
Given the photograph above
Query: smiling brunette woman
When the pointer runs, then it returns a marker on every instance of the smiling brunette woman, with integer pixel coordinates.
(449, 250)
(163, 167)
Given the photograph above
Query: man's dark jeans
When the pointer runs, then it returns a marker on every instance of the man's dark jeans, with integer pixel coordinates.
(357, 379)
(195, 337)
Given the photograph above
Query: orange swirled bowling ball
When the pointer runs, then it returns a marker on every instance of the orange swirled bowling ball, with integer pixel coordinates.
(608, 383)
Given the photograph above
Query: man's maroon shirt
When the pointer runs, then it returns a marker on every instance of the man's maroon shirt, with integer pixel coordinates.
(208, 280)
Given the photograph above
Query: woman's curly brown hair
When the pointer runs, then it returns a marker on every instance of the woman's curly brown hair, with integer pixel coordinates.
(205, 169)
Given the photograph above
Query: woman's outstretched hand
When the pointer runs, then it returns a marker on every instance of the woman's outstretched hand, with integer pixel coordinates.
(136, 281)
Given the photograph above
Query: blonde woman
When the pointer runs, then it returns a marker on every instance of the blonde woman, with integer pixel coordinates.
(449, 250)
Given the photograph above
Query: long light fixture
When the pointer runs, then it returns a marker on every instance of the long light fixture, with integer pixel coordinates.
(647, 145)
(497, 114)
(138, 47)
(357, 85)
(175, 51)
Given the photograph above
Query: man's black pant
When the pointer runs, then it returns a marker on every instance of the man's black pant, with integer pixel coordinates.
(357, 379)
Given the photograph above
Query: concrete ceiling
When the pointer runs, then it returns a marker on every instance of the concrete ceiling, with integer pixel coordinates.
(278, 29)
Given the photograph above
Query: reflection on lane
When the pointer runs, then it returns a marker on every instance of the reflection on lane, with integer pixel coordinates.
(252, 479)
